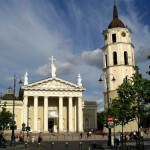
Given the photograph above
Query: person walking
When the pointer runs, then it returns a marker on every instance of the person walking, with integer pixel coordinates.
(40, 138)
(81, 135)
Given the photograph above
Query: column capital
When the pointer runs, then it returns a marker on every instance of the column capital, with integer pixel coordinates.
(35, 96)
(61, 97)
(46, 97)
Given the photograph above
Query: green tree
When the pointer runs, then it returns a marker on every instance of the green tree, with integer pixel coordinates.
(141, 94)
(5, 119)
(132, 93)
(101, 120)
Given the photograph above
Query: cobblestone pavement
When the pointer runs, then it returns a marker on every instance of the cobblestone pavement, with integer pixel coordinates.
(71, 145)
(66, 141)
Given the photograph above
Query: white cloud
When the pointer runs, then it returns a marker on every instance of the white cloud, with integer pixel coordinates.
(33, 31)
(140, 31)
(64, 68)
(93, 58)
(43, 70)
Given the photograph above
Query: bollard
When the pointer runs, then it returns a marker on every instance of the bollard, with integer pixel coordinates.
(80, 145)
(52, 144)
(66, 145)
(39, 144)
(25, 145)
(94, 145)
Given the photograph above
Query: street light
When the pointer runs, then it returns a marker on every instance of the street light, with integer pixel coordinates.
(107, 85)
(13, 123)
(107, 92)
(1, 95)
(28, 128)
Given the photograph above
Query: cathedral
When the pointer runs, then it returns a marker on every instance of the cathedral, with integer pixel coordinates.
(52, 105)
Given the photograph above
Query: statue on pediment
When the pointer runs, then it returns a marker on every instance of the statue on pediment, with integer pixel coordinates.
(26, 79)
(53, 68)
(79, 80)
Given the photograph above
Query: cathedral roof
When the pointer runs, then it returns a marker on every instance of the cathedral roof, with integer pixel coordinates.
(116, 22)
(9, 97)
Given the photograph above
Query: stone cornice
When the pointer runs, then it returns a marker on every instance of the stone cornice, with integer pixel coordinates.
(53, 93)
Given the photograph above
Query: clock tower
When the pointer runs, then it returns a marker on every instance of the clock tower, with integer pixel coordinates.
(118, 56)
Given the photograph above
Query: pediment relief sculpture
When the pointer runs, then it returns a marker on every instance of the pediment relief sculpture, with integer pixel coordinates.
(53, 84)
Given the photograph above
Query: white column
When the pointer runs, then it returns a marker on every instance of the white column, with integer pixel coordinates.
(70, 114)
(25, 102)
(46, 113)
(35, 112)
(80, 115)
(60, 114)
(75, 117)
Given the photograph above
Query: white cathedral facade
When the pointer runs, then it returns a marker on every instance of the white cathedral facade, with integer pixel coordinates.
(53, 105)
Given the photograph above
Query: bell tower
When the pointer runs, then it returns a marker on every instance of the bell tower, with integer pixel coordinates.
(118, 56)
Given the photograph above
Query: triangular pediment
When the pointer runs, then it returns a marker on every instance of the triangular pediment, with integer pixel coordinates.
(53, 84)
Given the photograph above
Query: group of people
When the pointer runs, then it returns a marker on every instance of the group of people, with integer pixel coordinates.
(40, 139)
(30, 137)
(133, 135)
(2, 139)
(89, 134)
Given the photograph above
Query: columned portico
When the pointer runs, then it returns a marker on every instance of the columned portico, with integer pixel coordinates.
(55, 104)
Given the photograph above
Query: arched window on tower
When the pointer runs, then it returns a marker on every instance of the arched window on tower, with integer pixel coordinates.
(115, 58)
(125, 58)
(113, 38)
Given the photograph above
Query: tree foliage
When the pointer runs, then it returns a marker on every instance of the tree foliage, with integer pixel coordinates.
(101, 119)
(5, 118)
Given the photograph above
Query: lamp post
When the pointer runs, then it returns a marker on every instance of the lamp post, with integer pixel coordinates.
(1, 95)
(107, 85)
(28, 128)
(1, 100)
(13, 123)
(108, 104)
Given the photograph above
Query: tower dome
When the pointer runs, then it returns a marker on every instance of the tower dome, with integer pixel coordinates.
(116, 22)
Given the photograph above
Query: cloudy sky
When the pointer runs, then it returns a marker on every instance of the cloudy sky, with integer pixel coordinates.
(31, 31)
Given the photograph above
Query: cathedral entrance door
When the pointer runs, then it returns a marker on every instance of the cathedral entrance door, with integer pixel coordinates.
(51, 124)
